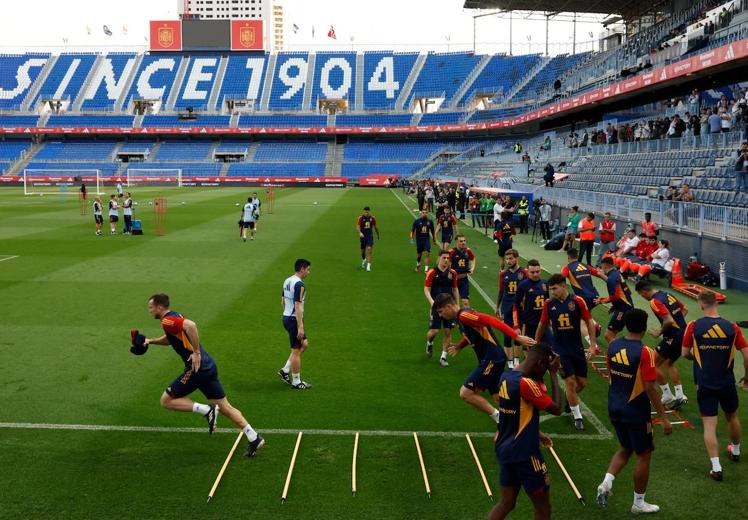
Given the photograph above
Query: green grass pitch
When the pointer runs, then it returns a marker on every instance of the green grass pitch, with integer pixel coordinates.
(68, 300)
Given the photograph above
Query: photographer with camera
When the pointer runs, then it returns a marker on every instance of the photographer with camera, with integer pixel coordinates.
(741, 168)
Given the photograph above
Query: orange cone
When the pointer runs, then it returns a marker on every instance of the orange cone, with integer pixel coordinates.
(644, 270)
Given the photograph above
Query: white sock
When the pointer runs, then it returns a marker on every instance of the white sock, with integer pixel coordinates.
(430, 342)
(295, 379)
(716, 466)
(666, 393)
(202, 409)
(287, 366)
(639, 499)
(608, 480)
(250, 433)
(678, 391)
(736, 449)
(587, 339)
(495, 416)
(444, 355)
(576, 412)
(516, 361)
(426, 269)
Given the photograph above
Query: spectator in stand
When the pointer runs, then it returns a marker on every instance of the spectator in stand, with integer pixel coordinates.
(545, 220)
(677, 126)
(685, 194)
(549, 175)
(694, 101)
(694, 124)
(704, 120)
(587, 229)
(585, 139)
(715, 122)
(671, 193)
(741, 168)
(607, 236)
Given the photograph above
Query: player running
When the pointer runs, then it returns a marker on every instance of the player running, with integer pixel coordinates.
(711, 343)
(463, 262)
(565, 314)
(441, 279)
(248, 219)
(619, 296)
(632, 389)
(422, 227)
(292, 301)
(200, 371)
(477, 330)
(532, 292)
(671, 313)
(504, 236)
(509, 280)
(521, 397)
(364, 226)
(446, 227)
(98, 211)
(580, 277)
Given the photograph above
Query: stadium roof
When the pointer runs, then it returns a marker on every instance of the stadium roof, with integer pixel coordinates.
(626, 8)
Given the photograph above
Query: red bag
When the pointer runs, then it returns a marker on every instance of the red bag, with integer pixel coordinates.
(696, 270)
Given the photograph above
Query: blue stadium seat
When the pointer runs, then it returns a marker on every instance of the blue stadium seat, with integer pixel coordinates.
(17, 73)
(244, 78)
(78, 66)
(108, 80)
(334, 77)
(385, 74)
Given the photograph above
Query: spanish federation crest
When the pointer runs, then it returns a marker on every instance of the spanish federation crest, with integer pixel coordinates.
(247, 36)
(165, 36)
(572, 306)
(520, 276)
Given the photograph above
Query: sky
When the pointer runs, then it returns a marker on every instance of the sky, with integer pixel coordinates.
(410, 25)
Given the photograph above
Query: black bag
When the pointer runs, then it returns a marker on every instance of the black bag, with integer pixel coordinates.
(709, 280)
(555, 243)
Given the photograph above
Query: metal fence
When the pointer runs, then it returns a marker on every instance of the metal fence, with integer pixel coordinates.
(699, 219)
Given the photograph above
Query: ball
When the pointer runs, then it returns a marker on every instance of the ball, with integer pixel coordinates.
(237, 204)
(183, 203)
(150, 203)
(134, 203)
(315, 202)
(42, 195)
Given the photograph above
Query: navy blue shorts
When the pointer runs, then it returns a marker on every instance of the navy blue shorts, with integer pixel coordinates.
(423, 245)
(367, 241)
(710, 400)
(446, 237)
(508, 318)
(574, 365)
(486, 376)
(616, 321)
(437, 322)
(463, 287)
(113, 218)
(98, 219)
(531, 329)
(246, 224)
(204, 380)
(670, 348)
(531, 474)
(635, 436)
(504, 247)
(292, 327)
(590, 301)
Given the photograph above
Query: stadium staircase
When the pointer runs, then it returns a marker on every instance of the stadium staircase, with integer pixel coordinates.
(268, 86)
(174, 94)
(137, 122)
(37, 85)
(412, 77)
(544, 61)
(469, 80)
(416, 119)
(217, 84)
(309, 84)
(359, 105)
(234, 121)
(334, 159)
(120, 104)
(17, 167)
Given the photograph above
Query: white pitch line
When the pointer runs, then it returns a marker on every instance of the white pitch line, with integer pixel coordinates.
(8, 257)
(596, 422)
(269, 431)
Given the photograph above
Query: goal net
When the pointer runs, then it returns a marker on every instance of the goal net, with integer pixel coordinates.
(154, 176)
(53, 181)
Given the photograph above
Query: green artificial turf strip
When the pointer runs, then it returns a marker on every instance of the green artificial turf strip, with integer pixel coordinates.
(67, 305)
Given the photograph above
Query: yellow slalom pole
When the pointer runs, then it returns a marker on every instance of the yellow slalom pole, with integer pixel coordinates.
(353, 466)
(480, 468)
(423, 466)
(568, 478)
(225, 465)
(290, 468)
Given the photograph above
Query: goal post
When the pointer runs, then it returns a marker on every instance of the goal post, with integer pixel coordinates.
(53, 181)
(159, 176)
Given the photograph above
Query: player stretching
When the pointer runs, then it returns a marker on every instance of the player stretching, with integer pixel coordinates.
(509, 280)
(580, 277)
(248, 219)
(711, 342)
(565, 313)
(521, 397)
(671, 314)
(292, 300)
(364, 226)
(200, 371)
(463, 262)
(423, 232)
(441, 279)
(446, 227)
(632, 388)
(619, 295)
(477, 330)
(532, 293)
